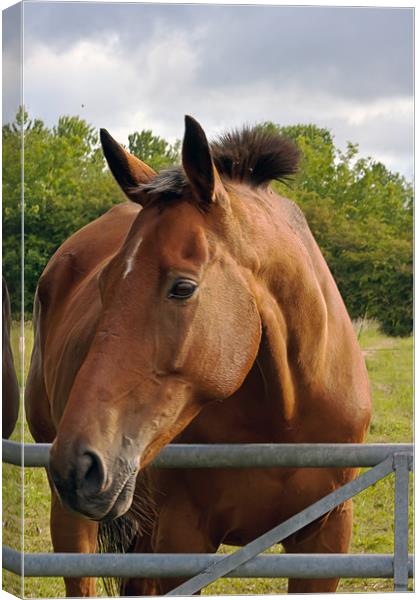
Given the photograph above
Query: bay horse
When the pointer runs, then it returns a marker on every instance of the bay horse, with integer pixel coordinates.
(10, 385)
(200, 311)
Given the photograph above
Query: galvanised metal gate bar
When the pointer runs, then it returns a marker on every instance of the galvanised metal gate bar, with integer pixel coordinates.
(243, 563)
(187, 565)
(203, 456)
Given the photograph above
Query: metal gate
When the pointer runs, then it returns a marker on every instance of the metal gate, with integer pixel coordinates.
(203, 569)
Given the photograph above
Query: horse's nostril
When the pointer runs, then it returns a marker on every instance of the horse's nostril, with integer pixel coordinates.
(90, 473)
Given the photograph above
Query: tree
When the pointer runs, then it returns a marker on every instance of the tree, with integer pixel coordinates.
(154, 150)
(65, 186)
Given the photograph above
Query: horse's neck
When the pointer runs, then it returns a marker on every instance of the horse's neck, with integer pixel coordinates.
(293, 350)
(303, 316)
(308, 351)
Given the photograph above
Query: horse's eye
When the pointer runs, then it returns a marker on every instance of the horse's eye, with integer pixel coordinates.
(182, 289)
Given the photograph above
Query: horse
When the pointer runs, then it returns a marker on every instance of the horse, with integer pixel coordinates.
(10, 385)
(201, 310)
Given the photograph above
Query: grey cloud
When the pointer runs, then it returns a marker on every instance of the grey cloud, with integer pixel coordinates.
(12, 71)
(66, 24)
(359, 52)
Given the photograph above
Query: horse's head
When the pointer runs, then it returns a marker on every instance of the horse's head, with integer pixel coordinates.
(178, 328)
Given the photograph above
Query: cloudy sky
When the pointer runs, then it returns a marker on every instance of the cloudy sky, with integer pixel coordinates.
(129, 67)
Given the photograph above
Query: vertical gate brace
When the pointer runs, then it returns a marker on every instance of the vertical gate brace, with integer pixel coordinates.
(401, 467)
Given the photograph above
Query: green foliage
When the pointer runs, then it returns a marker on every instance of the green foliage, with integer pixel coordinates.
(154, 150)
(360, 213)
(65, 186)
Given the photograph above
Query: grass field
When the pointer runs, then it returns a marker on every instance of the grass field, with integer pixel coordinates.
(390, 364)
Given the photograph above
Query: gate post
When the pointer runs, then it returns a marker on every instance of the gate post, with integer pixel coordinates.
(401, 467)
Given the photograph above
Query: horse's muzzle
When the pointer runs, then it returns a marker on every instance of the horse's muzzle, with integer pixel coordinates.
(86, 485)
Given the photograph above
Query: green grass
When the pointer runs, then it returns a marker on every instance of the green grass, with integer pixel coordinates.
(390, 365)
(12, 479)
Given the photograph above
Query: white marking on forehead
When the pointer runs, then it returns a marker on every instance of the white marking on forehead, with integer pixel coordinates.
(130, 259)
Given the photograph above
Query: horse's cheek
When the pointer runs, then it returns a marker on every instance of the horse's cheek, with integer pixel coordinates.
(233, 346)
(244, 349)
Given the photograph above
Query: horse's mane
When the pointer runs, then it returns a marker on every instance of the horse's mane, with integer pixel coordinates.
(255, 156)
(251, 155)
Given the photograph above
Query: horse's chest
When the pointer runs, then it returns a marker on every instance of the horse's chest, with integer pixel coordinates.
(246, 503)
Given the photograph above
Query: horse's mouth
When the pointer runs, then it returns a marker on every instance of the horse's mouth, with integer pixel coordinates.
(102, 508)
(123, 499)
(122, 502)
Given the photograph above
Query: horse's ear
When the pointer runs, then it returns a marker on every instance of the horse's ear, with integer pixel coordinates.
(198, 164)
(128, 170)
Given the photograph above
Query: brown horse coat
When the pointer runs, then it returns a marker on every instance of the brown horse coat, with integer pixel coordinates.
(10, 385)
(208, 316)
